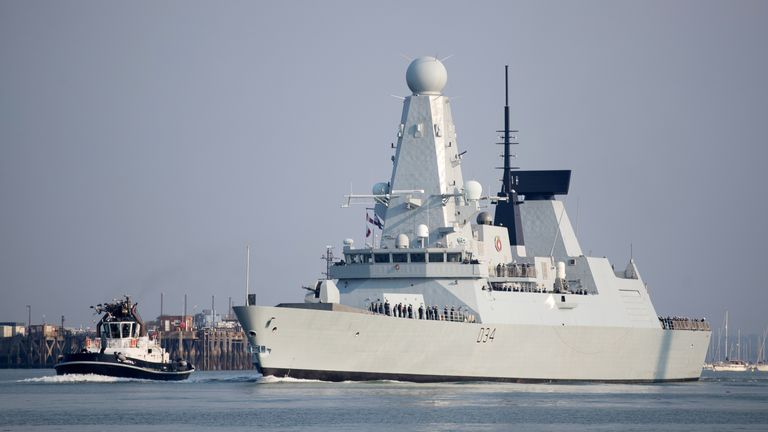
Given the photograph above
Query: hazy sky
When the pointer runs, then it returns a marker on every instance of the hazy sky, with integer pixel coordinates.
(144, 144)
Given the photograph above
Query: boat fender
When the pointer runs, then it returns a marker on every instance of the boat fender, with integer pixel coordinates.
(120, 356)
(133, 343)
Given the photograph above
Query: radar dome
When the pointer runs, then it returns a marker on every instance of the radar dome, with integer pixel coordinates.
(402, 242)
(422, 231)
(380, 189)
(473, 190)
(426, 75)
(484, 219)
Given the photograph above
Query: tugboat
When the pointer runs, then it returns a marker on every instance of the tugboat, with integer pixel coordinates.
(123, 349)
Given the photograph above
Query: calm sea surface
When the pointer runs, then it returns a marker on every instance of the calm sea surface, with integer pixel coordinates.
(37, 400)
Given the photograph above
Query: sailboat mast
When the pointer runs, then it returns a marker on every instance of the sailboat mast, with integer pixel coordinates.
(726, 337)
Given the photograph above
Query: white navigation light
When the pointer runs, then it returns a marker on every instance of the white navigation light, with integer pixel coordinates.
(402, 242)
(426, 75)
(473, 190)
(380, 189)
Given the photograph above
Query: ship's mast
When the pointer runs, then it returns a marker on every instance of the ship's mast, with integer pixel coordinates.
(247, 271)
(508, 210)
(506, 186)
(328, 258)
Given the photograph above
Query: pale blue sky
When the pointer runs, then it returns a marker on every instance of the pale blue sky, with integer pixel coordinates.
(143, 144)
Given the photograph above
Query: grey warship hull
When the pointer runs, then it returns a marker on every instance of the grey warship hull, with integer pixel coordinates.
(343, 346)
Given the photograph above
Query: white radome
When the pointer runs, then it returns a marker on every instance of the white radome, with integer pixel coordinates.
(422, 231)
(473, 190)
(426, 75)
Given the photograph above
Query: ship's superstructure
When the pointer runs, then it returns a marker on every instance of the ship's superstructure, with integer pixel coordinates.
(450, 294)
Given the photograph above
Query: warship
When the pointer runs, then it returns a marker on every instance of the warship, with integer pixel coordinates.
(452, 293)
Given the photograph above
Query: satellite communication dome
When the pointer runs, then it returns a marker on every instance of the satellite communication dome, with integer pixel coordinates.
(484, 219)
(380, 188)
(426, 75)
(473, 190)
(422, 231)
(402, 241)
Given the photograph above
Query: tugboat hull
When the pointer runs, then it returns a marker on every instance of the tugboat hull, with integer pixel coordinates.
(111, 365)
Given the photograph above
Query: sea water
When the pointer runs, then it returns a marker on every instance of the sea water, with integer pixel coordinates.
(38, 400)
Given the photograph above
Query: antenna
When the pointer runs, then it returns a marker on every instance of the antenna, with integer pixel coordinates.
(247, 271)
(328, 260)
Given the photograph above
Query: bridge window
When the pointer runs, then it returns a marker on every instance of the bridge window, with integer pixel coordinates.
(126, 330)
(417, 258)
(399, 257)
(358, 258)
(454, 257)
(114, 330)
(381, 258)
(436, 257)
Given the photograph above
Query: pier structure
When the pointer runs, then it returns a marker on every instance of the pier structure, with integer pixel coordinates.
(209, 349)
(40, 347)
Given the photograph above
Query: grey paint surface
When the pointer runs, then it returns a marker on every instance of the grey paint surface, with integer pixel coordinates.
(143, 145)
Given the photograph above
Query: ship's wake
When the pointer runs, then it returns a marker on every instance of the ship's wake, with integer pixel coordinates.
(203, 379)
(76, 378)
(269, 379)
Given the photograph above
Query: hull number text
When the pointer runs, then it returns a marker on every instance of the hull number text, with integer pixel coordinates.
(486, 334)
